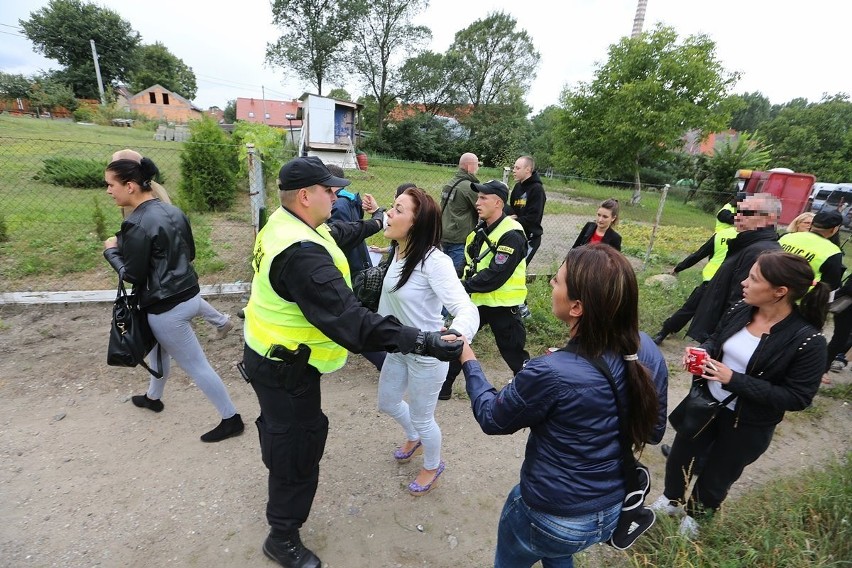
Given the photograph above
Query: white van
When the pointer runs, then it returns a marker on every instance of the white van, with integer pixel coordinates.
(830, 196)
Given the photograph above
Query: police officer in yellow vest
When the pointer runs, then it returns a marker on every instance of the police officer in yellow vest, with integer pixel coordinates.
(300, 320)
(494, 275)
(825, 257)
(725, 215)
(715, 249)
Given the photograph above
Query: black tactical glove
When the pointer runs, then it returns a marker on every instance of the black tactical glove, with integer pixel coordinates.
(430, 343)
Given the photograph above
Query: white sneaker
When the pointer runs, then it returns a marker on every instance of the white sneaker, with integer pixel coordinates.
(223, 330)
(688, 528)
(837, 365)
(667, 507)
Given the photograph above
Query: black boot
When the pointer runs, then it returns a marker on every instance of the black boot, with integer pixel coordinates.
(286, 548)
(660, 337)
(446, 390)
(228, 427)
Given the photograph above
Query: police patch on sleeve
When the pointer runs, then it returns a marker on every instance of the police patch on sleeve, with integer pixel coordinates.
(504, 248)
(501, 258)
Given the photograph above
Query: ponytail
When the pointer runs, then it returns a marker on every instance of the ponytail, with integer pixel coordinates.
(814, 305)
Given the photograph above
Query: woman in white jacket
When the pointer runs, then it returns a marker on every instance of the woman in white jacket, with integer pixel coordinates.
(420, 281)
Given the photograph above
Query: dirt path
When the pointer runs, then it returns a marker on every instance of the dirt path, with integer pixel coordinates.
(86, 479)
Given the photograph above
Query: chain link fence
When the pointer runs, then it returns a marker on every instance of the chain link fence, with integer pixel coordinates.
(55, 213)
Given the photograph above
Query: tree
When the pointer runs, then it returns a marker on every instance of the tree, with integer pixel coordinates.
(46, 94)
(493, 57)
(814, 138)
(383, 34)
(62, 31)
(14, 86)
(229, 115)
(156, 64)
(744, 151)
(339, 94)
(502, 130)
(432, 79)
(314, 39)
(542, 133)
(750, 111)
(642, 101)
(208, 166)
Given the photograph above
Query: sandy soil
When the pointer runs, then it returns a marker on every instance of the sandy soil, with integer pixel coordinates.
(87, 479)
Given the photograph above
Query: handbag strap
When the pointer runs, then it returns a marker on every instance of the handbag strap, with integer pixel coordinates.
(628, 460)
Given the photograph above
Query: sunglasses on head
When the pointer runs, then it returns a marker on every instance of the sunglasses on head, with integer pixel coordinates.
(751, 213)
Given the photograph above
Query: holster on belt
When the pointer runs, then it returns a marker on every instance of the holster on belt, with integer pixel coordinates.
(292, 367)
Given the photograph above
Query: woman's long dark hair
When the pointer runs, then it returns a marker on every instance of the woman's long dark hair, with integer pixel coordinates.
(604, 282)
(794, 272)
(424, 234)
(144, 173)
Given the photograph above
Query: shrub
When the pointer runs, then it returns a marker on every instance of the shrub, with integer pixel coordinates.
(100, 221)
(72, 172)
(268, 143)
(209, 165)
(4, 230)
(84, 114)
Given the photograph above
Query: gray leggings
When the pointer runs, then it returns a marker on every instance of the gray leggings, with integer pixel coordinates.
(176, 339)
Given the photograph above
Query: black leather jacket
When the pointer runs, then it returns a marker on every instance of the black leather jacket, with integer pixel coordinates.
(784, 372)
(155, 252)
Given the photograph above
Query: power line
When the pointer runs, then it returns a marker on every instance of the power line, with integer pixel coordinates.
(13, 27)
(13, 34)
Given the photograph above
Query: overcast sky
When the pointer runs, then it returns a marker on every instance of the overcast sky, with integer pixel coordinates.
(784, 49)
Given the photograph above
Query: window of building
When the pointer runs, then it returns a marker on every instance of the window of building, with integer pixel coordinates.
(251, 114)
(267, 116)
(153, 98)
(165, 98)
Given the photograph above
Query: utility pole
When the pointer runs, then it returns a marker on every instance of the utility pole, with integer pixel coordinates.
(98, 72)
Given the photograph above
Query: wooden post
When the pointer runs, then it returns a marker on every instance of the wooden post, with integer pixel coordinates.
(656, 223)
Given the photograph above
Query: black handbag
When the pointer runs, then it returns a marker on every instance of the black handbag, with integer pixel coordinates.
(697, 410)
(367, 284)
(635, 517)
(130, 336)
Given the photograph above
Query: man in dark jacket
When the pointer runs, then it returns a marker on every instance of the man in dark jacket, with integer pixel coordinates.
(755, 221)
(526, 203)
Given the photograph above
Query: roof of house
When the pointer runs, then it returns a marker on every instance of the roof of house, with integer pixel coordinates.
(174, 95)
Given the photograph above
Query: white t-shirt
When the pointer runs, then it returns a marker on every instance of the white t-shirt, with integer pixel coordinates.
(738, 350)
(432, 285)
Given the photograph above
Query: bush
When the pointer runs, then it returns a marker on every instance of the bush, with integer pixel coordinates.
(268, 143)
(84, 114)
(99, 220)
(209, 164)
(4, 230)
(72, 172)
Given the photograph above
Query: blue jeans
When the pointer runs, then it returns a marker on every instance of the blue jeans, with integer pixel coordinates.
(456, 252)
(526, 536)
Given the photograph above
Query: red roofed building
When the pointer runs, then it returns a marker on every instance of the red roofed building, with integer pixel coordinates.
(270, 112)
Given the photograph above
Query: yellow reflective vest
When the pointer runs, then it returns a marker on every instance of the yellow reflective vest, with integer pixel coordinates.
(720, 251)
(814, 248)
(720, 225)
(270, 319)
(514, 291)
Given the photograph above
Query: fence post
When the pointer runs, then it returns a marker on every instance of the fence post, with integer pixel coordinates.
(656, 224)
(256, 190)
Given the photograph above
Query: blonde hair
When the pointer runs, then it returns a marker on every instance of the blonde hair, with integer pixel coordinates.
(793, 227)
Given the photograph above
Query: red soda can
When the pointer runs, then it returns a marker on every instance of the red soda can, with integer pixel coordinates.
(695, 360)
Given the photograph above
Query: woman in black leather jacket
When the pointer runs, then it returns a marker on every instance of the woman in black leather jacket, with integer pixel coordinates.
(768, 351)
(601, 230)
(154, 251)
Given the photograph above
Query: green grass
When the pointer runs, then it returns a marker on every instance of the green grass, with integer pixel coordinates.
(802, 520)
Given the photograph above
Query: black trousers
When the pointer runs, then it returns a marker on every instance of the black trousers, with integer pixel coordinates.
(509, 333)
(681, 317)
(841, 339)
(723, 451)
(293, 431)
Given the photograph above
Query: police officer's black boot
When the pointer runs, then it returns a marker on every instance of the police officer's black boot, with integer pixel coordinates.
(661, 336)
(286, 548)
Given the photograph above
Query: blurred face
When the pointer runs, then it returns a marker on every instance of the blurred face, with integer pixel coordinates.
(400, 218)
(488, 206)
(117, 189)
(757, 291)
(604, 219)
(751, 216)
(471, 165)
(521, 170)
